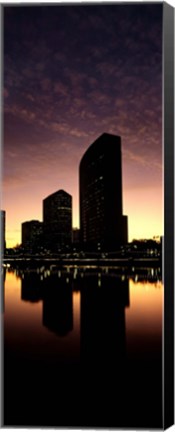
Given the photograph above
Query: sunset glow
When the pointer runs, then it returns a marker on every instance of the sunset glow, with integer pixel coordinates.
(70, 74)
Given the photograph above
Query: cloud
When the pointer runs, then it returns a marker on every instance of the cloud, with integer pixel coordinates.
(78, 103)
(61, 89)
(6, 93)
(30, 97)
(11, 154)
(20, 112)
(45, 84)
(28, 72)
(107, 69)
(93, 85)
(13, 181)
(78, 133)
(40, 66)
(11, 77)
(142, 160)
(129, 155)
(99, 98)
(65, 129)
(87, 115)
(62, 128)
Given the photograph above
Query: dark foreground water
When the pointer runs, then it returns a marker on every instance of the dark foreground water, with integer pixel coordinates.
(82, 347)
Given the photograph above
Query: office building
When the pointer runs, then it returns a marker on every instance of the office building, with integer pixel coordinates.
(102, 223)
(32, 235)
(57, 218)
(3, 223)
(75, 237)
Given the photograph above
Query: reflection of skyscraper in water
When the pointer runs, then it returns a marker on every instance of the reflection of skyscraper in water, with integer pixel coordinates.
(103, 334)
(31, 287)
(103, 348)
(58, 305)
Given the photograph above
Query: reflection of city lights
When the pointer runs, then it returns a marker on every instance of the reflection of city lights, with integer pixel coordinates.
(137, 274)
(75, 274)
(42, 269)
(159, 284)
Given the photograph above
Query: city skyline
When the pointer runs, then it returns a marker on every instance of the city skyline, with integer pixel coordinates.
(72, 73)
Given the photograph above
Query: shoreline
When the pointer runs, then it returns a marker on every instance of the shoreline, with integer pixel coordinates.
(117, 262)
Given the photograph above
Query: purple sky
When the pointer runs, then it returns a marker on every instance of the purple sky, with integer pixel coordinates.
(70, 74)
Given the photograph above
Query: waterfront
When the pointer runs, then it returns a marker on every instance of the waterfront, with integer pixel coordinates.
(83, 346)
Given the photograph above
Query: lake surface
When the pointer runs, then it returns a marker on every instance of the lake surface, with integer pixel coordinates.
(83, 347)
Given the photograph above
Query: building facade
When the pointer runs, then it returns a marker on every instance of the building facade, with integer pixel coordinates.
(75, 237)
(3, 224)
(102, 223)
(57, 218)
(32, 235)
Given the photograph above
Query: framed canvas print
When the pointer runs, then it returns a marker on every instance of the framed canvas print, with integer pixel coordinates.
(87, 215)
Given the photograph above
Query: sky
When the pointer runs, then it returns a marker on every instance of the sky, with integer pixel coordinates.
(72, 73)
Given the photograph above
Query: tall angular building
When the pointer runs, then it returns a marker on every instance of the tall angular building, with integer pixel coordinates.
(57, 218)
(102, 222)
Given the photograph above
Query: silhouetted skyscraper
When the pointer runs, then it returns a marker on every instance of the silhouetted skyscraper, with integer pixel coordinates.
(102, 222)
(3, 242)
(57, 217)
(75, 236)
(31, 234)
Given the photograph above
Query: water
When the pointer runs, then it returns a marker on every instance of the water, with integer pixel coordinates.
(83, 347)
